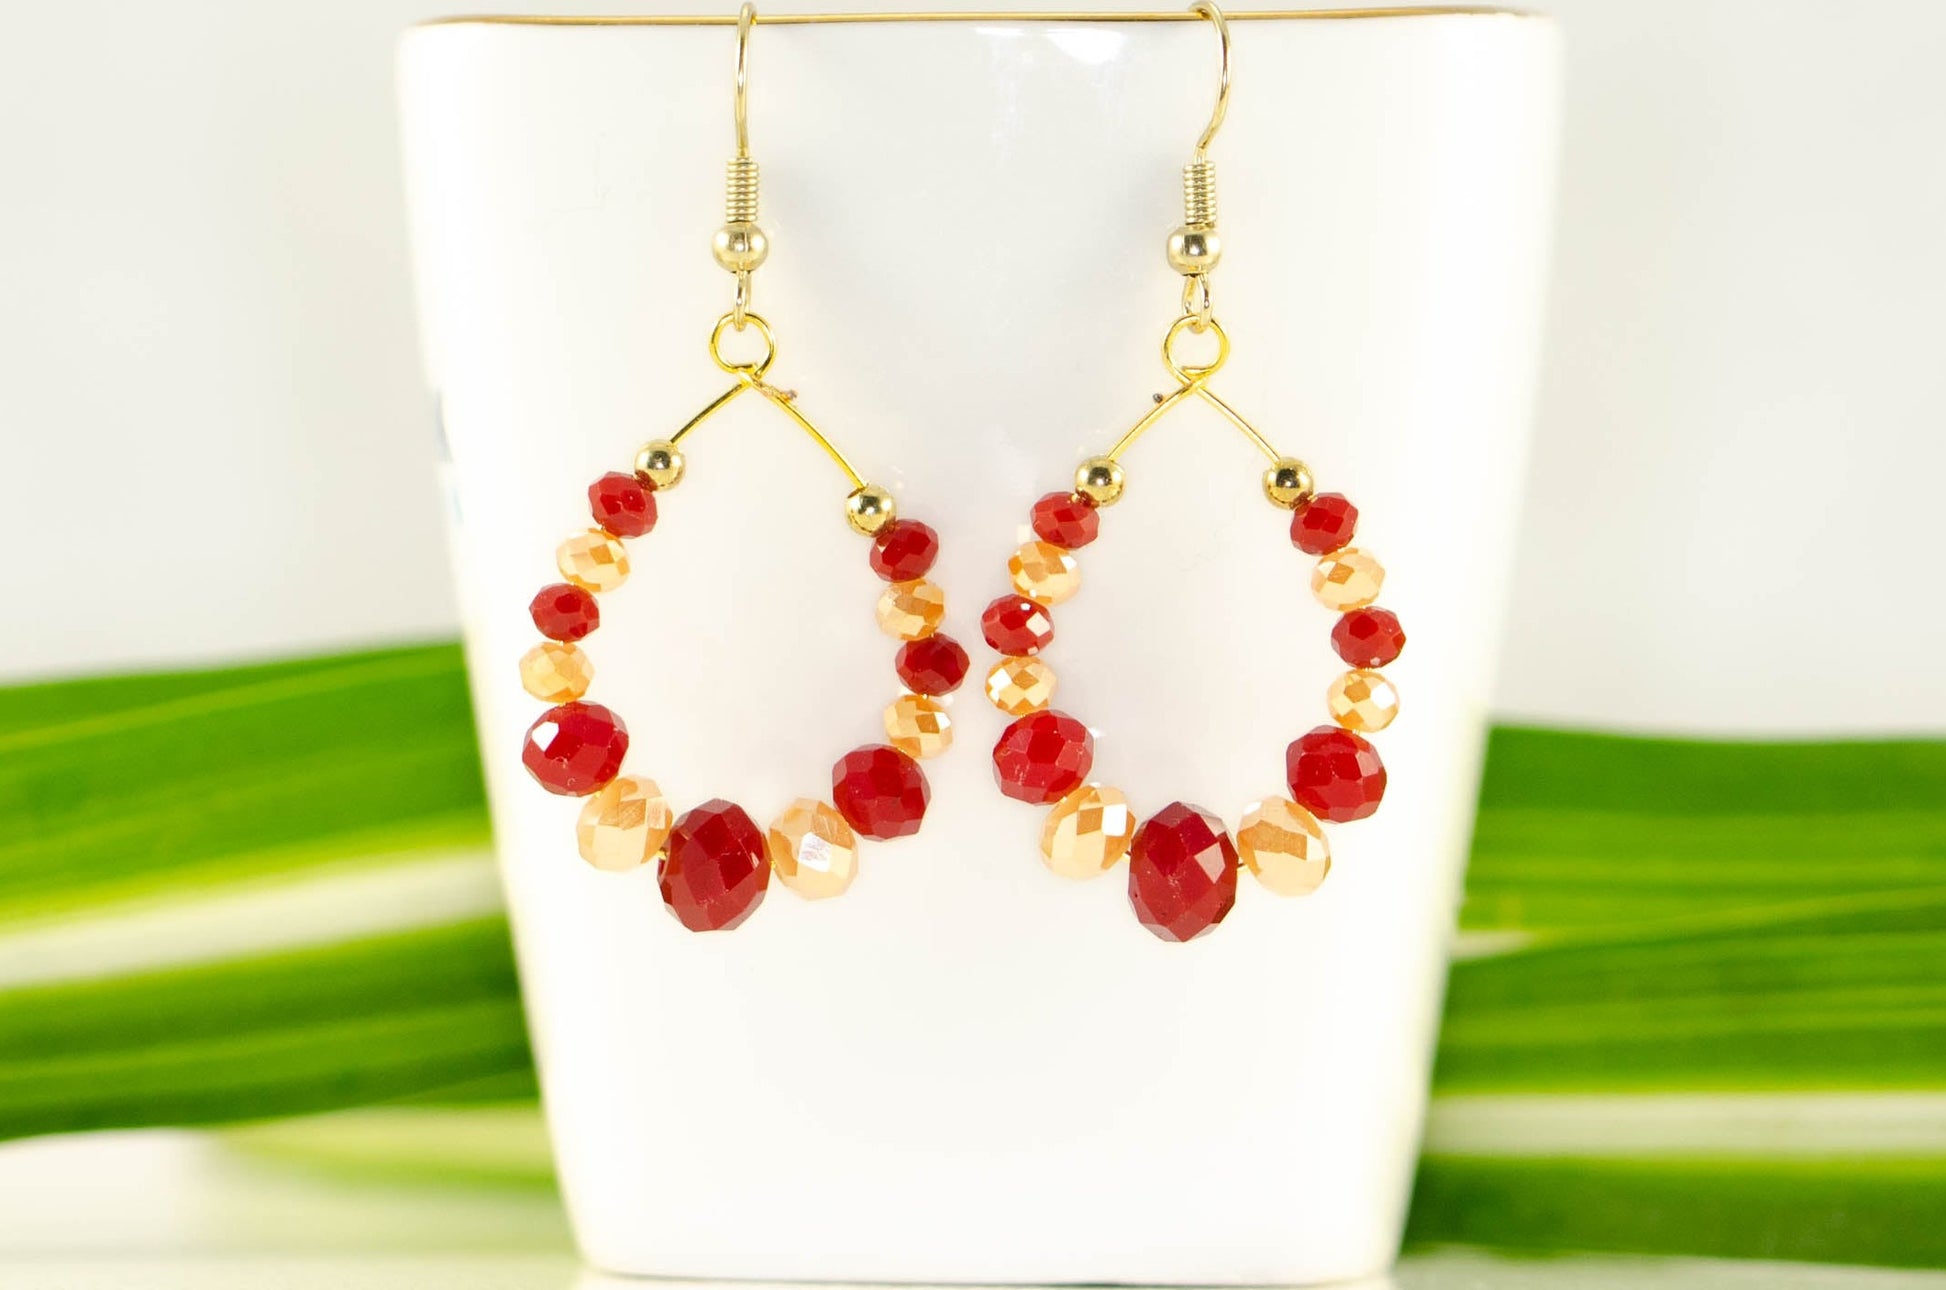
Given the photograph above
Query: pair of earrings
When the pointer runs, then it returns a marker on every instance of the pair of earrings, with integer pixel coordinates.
(715, 864)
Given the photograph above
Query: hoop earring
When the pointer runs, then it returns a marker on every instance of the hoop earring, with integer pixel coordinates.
(713, 863)
(1182, 862)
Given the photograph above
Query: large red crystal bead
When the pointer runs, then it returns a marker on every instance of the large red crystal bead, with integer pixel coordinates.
(880, 791)
(1368, 637)
(904, 550)
(575, 748)
(564, 612)
(1182, 872)
(932, 664)
(714, 868)
(1334, 774)
(1066, 519)
(1043, 757)
(1016, 625)
(622, 504)
(1323, 524)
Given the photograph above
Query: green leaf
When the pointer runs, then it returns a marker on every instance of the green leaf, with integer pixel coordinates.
(147, 786)
(343, 1025)
(1880, 1211)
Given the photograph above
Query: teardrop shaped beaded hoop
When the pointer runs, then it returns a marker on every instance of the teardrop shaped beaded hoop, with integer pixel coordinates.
(1183, 862)
(713, 863)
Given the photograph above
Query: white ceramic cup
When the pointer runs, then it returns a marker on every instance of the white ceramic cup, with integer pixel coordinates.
(967, 1068)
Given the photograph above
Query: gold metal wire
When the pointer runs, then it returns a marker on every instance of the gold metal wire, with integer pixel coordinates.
(746, 21)
(1199, 192)
(741, 192)
(749, 375)
(1194, 378)
(1207, 9)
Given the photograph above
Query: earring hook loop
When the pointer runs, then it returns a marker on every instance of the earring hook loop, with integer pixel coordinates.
(746, 20)
(1209, 10)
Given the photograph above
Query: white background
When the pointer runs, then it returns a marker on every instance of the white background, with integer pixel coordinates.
(219, 444)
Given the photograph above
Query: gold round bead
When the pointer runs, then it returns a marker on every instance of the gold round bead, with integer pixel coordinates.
(1289, 484)
(740, 246)
(1194, 250)
(659, 463)
(870, 508)
(1100, 480)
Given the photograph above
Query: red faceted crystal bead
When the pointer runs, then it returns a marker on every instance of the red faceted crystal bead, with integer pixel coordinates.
(932, 664)
(565, 612)
(714, 868)
(1368, 637)
(880, 791)
(1016, 625)
(1334, 774)
(1066, 519)
(904, 550)
(622, 504)
(1323, 524)
(1182, 872)
(1043, 757)
(575, 748)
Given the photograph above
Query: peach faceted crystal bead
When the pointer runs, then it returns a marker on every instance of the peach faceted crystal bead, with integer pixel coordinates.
(918, 726)
(1018, 686)
(593, 561)
(1044, 573)
(555, 673)
(1087, 832)
(812, 850)
(1284, 845)
(1347, 579)
(912, 609)
(1362, 700)
(624, 825)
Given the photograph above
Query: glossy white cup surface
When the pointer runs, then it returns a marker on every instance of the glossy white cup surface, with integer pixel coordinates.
(966, 1068)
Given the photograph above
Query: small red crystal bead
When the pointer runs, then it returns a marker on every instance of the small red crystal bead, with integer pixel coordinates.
(932, 664)
(1043, 757)
(904, 550)
(1368, 637)
(1067, 520)
(1016, 625)
(575, 748)
(880, 791)
(1334, 774)
(1323, 524)
(622, 504)
(714, 869)
(1182, 872)
(565, 612)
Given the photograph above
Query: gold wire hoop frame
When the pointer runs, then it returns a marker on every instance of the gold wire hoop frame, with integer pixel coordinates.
(750, 376)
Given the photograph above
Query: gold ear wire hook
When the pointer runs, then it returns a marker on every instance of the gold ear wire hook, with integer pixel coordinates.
(746, 19)
(1208, 9)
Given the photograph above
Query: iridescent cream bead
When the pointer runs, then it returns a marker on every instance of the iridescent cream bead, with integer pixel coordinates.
(1362, 700)
(624, 825)
(1347, 579)
(812, 850)
(1087, 832)
(593, 561)
(1044, 573)
(910, 610)
(918, 726)
(1018, 686)
(1284, 845)
(554, 672)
